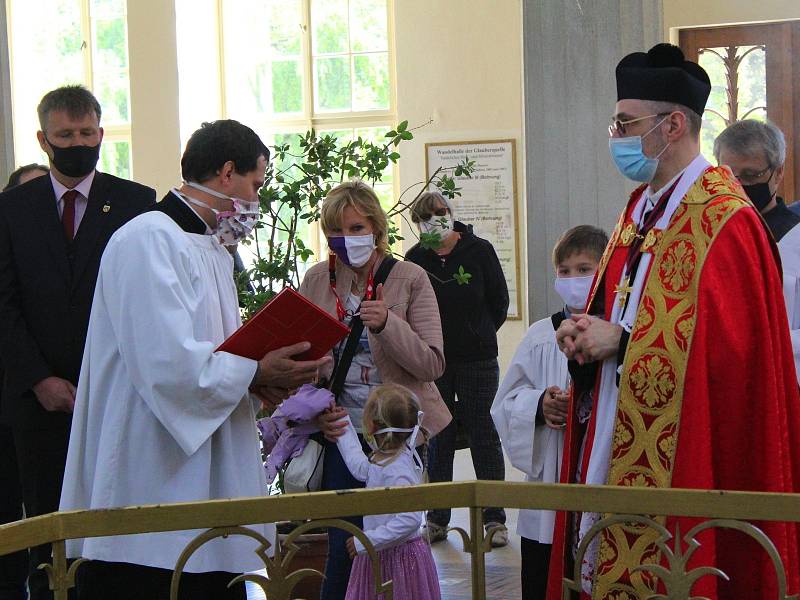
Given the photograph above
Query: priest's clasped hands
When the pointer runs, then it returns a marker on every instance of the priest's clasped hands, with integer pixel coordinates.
(586, 338)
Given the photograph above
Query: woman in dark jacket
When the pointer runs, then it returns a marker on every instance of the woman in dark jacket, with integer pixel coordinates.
(473, 302)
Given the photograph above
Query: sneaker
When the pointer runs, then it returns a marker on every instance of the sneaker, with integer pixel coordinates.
(499, 536)
(434, 533)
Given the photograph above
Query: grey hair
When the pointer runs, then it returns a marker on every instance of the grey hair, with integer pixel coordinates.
(426, 202)
(748, 137)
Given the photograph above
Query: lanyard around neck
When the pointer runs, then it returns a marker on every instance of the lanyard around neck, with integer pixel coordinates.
(341, 312)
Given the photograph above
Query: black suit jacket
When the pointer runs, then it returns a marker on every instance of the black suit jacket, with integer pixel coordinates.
(47, 285)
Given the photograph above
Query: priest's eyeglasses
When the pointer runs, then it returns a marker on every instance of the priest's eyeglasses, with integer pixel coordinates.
(619, 128)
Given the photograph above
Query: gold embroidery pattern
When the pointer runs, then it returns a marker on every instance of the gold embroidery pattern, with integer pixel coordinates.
(677, 267)
(652, 381)
(644, 318)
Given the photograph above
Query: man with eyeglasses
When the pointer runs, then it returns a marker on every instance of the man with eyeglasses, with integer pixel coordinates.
(756, 153)
(682, 366)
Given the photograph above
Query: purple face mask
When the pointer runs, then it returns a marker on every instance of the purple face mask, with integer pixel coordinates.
(353, 250)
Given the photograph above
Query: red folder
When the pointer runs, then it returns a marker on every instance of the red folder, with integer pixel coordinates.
(287, 319)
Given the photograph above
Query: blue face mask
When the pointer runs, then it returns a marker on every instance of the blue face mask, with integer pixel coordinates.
(630, 158)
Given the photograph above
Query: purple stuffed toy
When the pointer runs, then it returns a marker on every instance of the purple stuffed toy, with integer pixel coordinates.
(285, 434)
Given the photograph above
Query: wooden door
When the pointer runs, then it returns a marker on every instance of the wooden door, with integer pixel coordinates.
(755, 73)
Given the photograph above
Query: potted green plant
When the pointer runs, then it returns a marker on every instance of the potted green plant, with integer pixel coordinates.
(298, 178)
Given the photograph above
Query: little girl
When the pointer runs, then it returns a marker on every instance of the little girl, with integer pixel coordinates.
(391, 425)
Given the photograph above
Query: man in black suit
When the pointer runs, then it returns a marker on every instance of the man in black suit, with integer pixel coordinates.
(13, 567)
(52, 234)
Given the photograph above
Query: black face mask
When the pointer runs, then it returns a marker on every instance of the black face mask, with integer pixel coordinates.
(75, 161)
(759, 193)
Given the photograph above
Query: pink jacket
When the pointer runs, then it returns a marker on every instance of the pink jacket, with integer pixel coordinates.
(409, 349)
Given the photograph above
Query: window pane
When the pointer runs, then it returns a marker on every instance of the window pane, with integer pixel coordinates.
(736, 72)
(115, 158)
(329, 26)
(293, 141)
(110, 45)
(285, 33)
(371, 86)
(376, 136)
(287, 86)
(385, 193)
(368, 25)
(45, 52)
(112, 93)
(332, 84)
(259, 83)
(753, 85)
(105, 9)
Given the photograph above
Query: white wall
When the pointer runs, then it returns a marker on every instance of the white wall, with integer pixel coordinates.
(691, 13)
(459, 62)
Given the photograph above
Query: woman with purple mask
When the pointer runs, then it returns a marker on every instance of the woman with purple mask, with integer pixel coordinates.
(401, 341)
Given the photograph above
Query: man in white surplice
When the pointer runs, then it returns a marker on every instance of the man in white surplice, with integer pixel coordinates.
(160, 416)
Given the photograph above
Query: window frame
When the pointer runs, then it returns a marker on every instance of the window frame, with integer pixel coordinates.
(320, 122)
(310, 119)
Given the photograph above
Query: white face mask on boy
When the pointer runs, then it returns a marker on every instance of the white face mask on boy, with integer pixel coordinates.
(574, 291)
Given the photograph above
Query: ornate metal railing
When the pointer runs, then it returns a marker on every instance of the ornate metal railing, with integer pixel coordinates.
(225, 518)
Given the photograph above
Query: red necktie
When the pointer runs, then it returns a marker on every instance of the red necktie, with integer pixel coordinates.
(68, 214)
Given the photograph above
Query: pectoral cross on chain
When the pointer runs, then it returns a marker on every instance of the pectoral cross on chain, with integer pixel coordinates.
(623, 290)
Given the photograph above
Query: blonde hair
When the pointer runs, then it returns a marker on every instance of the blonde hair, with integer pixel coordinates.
(364, 201)
(391, 405)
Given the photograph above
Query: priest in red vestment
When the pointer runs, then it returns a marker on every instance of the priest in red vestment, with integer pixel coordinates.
(683, 373)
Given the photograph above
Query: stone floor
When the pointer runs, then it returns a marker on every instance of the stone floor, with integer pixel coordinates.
(453, 565)
(502, 564)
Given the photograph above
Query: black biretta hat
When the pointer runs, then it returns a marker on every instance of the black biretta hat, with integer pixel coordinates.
(663, 75)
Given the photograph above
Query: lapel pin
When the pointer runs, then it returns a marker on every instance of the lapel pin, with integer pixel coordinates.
(106, 207)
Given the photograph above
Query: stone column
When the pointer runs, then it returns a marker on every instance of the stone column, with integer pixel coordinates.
(6, 122)
(570, 50)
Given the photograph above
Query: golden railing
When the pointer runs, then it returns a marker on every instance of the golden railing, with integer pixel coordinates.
(222, 518)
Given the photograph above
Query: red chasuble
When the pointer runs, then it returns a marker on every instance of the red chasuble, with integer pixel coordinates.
(708, 397)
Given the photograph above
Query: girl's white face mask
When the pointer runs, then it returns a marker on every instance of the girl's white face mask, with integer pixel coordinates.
(411, 441)
(232, 225)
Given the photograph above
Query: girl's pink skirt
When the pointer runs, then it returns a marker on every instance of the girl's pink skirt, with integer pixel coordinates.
(409, 565)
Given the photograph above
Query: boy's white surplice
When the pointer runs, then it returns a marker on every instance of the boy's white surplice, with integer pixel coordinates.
(159, 416)
(534, 449)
